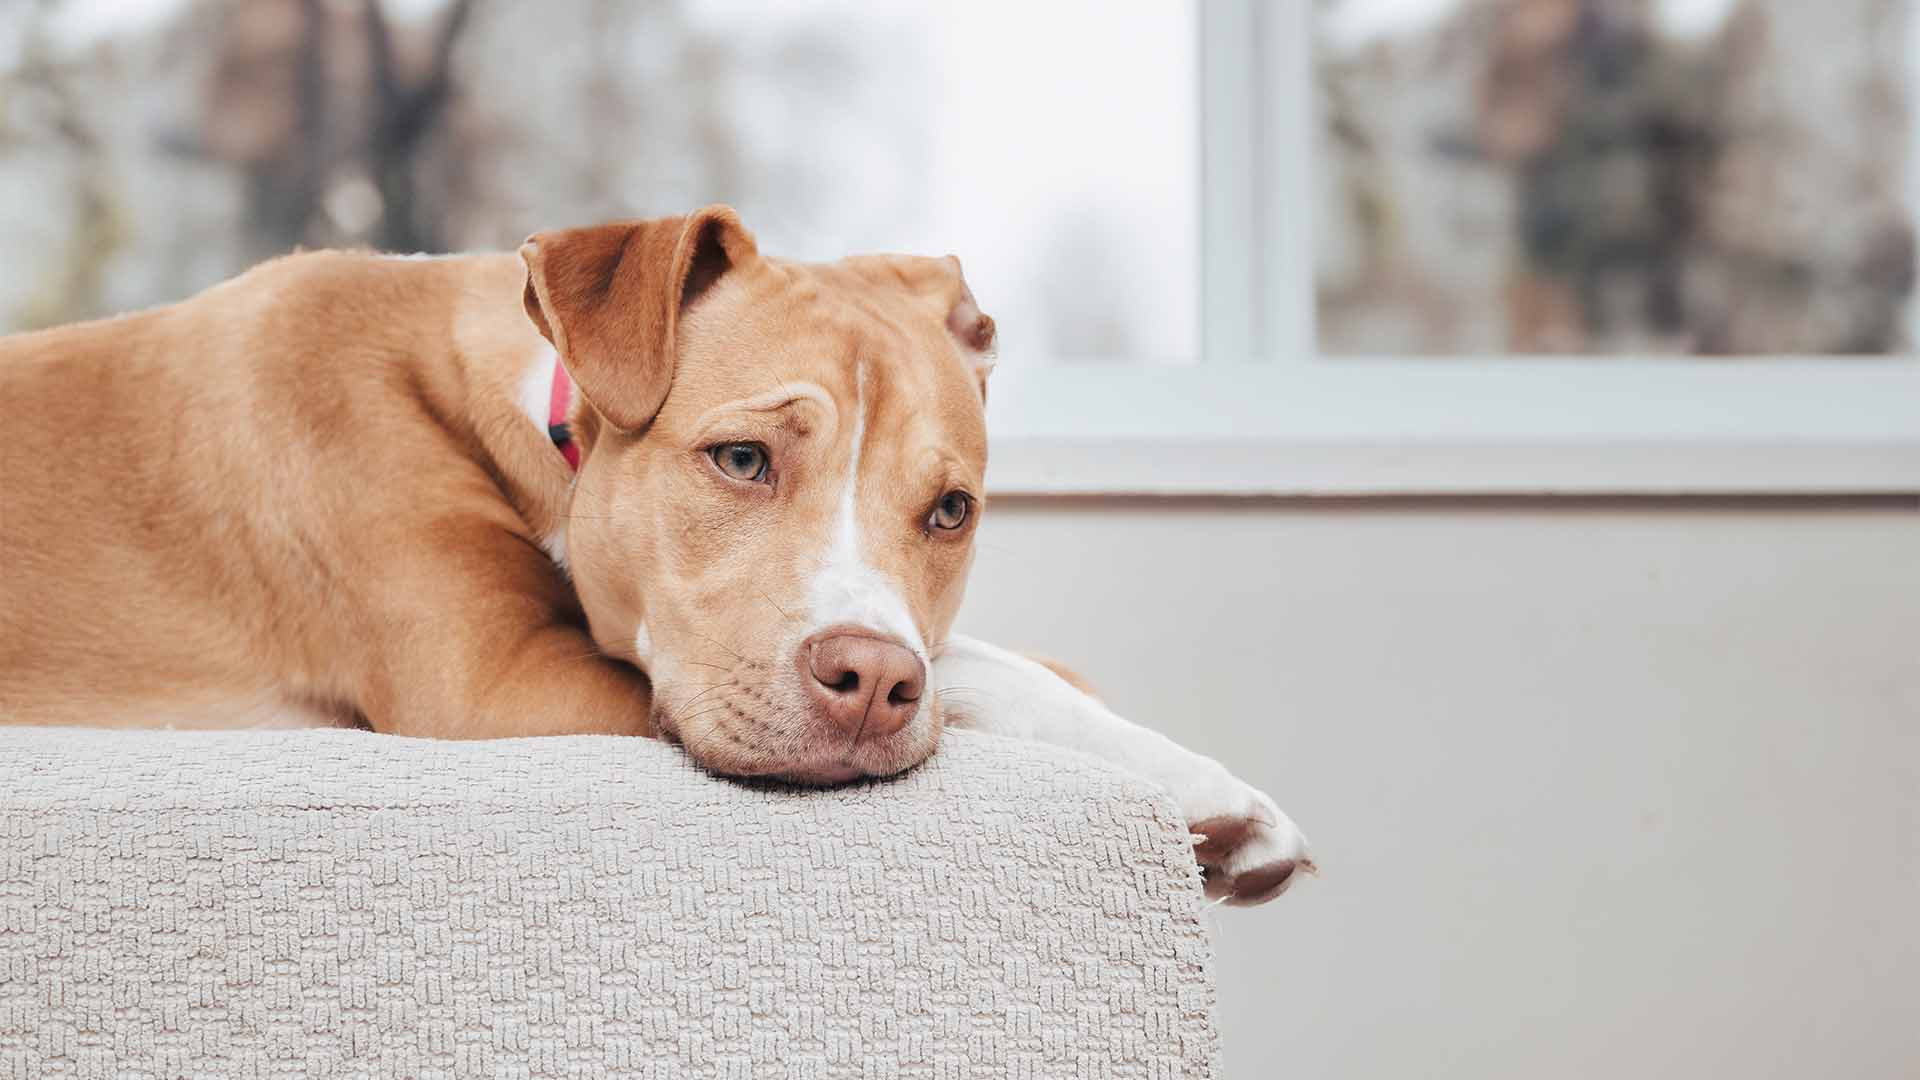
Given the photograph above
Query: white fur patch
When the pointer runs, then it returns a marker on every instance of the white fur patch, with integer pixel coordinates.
(1004, 693)
(535, 393)
(642, 645)
(847, 588)
(555, 544)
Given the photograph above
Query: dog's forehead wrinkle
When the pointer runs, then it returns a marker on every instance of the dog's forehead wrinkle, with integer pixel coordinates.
(783, 396)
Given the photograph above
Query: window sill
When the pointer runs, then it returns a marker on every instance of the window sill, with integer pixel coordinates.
(1384, 428)
(1189, 467)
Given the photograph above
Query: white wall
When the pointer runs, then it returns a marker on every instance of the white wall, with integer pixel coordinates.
(1601, 790)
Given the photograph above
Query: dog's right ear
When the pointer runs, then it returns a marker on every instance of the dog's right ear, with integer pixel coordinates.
(609, 298)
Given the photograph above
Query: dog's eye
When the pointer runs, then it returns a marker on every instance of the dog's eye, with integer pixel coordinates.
(951, 511)
(741, 460)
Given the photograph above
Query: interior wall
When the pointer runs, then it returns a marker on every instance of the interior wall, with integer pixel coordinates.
(1600, 789)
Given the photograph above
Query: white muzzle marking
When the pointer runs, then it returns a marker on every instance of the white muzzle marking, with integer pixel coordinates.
(848, 589)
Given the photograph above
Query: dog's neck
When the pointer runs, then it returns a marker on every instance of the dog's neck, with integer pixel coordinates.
(546, 397)
(512, 373)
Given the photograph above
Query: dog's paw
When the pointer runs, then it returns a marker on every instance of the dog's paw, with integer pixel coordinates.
(1248, 851)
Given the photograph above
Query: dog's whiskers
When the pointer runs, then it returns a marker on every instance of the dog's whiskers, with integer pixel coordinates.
(708, 711)
(723, 645)
(689, 703)
(962, 691)
(681, 659)
(776, 607)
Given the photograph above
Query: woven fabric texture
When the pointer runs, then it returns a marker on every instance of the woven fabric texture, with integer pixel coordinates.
(341, 904)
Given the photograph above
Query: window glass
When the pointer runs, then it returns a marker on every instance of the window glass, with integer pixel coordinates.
(151, 147)
(1614, 177)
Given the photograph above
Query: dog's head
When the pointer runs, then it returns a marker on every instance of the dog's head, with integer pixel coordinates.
(781, 477)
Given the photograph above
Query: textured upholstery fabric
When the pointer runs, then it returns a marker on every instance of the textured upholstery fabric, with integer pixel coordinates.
(341, 904)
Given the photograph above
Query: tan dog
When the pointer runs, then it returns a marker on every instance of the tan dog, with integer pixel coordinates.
(327, 490)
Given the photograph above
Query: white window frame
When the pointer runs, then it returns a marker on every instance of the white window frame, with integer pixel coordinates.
(1263, 415)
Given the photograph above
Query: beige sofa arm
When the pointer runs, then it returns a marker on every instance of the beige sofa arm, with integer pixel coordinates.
(341, 904)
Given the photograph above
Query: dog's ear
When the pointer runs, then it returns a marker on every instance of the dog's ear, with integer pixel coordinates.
(971, 327)
(609, 298)
(939, 289)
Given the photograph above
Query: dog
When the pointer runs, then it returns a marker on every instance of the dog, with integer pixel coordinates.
(639, 479)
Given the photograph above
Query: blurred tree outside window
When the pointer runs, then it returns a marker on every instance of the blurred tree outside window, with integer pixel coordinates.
(1492, 178)
(1615, 177)
(149, 148)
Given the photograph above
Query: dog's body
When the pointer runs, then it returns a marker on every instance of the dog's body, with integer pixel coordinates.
(326, 492)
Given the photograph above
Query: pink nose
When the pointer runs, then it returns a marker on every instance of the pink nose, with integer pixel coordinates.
(867, 686)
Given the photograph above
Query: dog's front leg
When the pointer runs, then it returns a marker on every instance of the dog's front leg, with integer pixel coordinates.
(543, 680)
(493, 650)
(1248, 848)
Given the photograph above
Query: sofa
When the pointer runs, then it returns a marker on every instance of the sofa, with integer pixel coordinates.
(343, 904)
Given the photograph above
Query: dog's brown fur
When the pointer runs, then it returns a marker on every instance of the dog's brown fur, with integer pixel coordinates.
(305, 483)
(311, 484)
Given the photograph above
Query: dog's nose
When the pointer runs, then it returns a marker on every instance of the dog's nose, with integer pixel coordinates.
(868, 686)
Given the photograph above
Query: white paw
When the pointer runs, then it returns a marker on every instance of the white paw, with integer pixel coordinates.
(1248, 850)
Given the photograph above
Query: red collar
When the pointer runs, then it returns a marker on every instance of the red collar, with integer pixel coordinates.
(557, 428)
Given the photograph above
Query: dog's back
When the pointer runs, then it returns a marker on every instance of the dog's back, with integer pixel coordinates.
(175, 479)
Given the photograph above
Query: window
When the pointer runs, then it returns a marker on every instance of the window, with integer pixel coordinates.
(1244, 246)
(1530, 246)
(1066, 178)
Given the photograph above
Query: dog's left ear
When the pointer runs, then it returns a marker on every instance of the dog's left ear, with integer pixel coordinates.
(970, 327)
(940, 289)
(609, 298)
